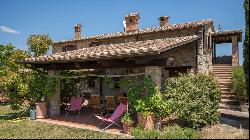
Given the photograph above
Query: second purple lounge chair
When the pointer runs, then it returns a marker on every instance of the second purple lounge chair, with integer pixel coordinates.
(119, 111)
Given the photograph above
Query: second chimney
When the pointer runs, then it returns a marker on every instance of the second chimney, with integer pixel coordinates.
(78, 29)
(164, 21)
(132, 21)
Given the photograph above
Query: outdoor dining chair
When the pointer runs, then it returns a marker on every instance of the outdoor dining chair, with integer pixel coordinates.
(123, 100)
(74, 105)
(110, 103)
(113, 119)
(95, 102)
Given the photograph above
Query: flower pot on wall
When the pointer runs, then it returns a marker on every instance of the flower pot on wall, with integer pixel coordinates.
(147, 122)
(41, 110)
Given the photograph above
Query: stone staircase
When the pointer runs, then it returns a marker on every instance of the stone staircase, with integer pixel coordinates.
(229, 106)
(228, 100)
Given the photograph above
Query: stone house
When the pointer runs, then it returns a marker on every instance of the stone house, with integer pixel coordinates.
(162, 51)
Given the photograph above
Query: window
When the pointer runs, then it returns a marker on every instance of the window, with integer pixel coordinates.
(116, 81)
(91, 82)
(209, 42)
(68, 48)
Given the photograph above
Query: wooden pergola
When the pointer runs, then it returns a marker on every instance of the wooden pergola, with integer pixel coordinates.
(228, 36)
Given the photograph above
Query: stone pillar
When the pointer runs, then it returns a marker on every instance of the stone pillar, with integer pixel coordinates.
(155, 73)
(235, 51)
(54, 101)
(200, 56)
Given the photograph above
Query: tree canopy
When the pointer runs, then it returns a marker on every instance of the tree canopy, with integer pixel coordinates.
(246, 44)
(39, 44)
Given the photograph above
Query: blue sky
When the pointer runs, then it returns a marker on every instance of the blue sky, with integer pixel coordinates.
(21, 18)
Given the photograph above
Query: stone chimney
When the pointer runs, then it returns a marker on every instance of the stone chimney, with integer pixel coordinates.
(132, 21)
(78, 29)
(163, 21)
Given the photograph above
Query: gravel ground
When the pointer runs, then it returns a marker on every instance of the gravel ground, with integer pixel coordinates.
(223, 131)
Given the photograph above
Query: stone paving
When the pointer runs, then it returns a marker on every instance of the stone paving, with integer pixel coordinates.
(85, 121)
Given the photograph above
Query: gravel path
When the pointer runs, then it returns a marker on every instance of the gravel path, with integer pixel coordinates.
(223, 131)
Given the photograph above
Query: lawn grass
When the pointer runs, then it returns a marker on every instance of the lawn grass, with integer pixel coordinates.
(26, 129)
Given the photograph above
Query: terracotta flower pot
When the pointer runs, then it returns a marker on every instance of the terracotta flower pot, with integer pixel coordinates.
(127, 127)
(147, 122)
(41, 110)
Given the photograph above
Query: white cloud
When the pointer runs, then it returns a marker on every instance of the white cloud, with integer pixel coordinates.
(9, 30)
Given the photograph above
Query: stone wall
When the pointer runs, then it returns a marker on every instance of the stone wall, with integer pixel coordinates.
(85, 43)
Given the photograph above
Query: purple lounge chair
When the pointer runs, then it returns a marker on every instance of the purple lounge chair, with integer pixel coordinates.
(74, 105)
(114, 117)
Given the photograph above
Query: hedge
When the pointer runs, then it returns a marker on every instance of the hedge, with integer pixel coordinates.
(195, 99)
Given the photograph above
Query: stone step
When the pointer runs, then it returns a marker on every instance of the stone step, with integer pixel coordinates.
(218, 75)
(224, 77)
(225, 91)
(234, 121)
(227, 96)
(229, 107)
(222, 68)
(222, 64)
(225, 88)
(222, 74)
(225, 83)
(224, 80)
(218, 66)
(229, 101)
(234, 114)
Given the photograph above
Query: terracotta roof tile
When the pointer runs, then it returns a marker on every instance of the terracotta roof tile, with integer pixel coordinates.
(116, 50)
(146, 30)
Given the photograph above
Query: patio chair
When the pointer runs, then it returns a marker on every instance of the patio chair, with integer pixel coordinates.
(110, 104)
(74, 105)
(95, 102)
(119, 111)
(123, 100)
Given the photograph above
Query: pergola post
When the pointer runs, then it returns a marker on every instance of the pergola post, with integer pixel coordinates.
(155, 73)
(54, 101)
(235, 51)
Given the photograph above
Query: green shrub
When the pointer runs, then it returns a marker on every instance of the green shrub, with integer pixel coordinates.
(177, 132)
(146, 98)
(238, 83)
(195, 99)
(140, 133)
(126, 118)
(169, 132)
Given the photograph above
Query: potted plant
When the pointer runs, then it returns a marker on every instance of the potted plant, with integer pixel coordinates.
(140, 97)
(127, 123)
(41, 87)
(161, 108)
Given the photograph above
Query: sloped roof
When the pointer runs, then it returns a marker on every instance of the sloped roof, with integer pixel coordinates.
(121, 50)
(146, 30)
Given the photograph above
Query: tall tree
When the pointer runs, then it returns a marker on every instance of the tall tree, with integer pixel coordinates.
(39, 44)
(246, 43)
(9, 68)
